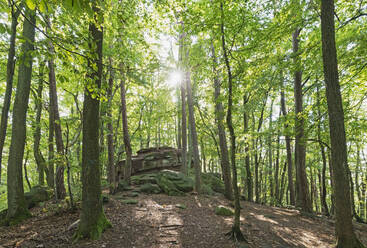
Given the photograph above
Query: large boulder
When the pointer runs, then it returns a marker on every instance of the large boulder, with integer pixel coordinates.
(36, 195)
(150, 188)
(214, 181)
(144, 178)
(174, 183)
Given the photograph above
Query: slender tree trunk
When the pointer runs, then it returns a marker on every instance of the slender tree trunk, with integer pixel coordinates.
(92, 218)
(236, 233)
(292, 198)
(270, 150)
(194, 136)
(324, 206)
(40, 161)
(303, 194)
(247, 151)
(346, 237)
(110, 146)
(255, 148)
(17, 207)
(202, 149)
(26, 171)
(125, 129)
(219, 118)
(283, 185)
(184, 167)
(276, 176)
(9, 81)
(50, 163)
(60, 186)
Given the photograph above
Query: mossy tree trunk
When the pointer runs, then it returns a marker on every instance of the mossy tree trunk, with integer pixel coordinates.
(9, 80)
(17, 207)
(92, 219)
(346, 237)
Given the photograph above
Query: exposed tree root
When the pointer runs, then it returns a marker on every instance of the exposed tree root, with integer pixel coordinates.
(236, 235)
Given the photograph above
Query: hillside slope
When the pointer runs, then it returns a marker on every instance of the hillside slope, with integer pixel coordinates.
(157, 221)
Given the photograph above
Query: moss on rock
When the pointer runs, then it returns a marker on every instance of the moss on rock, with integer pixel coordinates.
(213, 181)
(36, 195)
(144, 178)
(223, 211)
(150, 188)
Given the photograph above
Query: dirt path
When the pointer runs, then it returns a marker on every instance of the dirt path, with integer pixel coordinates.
(156, 221)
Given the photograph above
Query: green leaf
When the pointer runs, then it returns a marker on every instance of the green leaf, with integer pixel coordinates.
(43, 7)
(31, 4)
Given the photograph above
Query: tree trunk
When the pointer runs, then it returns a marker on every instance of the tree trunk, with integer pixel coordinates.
(125, 130)
(9, 81)
(247, 153)
(276, 176)
(60, 186)
(219, 118)
(194, 136)
(282, 185)
(236, 233)
(346, 237)
(26, 171)
(50, 162)
(184, 168)
(17, 207)
(324, 206)
(270, 150)
(40, 161)
(292, 198)
(303, 194)
(92, 218)
(111, 168)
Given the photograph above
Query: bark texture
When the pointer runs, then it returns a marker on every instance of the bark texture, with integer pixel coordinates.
(92, 219)
(17, 207)
(9, 81)
(219, 118)
(346, 237)
(303, 194)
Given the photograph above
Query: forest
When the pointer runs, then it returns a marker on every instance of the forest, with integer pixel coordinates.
(177, 123)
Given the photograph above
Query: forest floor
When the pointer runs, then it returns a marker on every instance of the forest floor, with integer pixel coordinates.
(157, 221)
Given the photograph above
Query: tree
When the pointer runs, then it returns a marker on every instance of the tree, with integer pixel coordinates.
(17, 207)
(55, 116)
(92, 218)
(125, 129)
(346, 237)
(194, 136)
(303, 195)
(219, 118)
(236, 233)
(41, 163)
(9, 79)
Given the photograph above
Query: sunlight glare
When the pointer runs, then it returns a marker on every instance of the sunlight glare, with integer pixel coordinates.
(174, 78)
